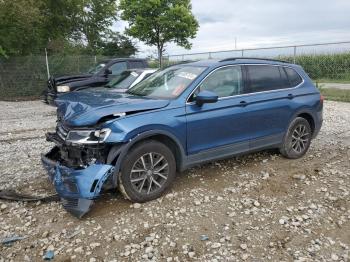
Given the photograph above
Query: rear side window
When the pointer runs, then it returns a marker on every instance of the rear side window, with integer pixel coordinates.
(293, 77)
(136, 64)
(265, 78)
(118, 67)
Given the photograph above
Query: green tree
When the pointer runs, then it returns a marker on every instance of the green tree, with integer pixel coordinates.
(96, 20)
(118, 45)
(20, 26)
(61, 19)
(157, 22)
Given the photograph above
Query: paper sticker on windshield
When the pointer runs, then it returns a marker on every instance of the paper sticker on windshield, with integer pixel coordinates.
(134, 74)
(187, 75)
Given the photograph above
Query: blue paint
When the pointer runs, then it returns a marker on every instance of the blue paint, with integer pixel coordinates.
(202, 132)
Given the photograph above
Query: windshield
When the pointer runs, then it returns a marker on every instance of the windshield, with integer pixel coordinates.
(123, 80)
(96, 68)
(167, 83)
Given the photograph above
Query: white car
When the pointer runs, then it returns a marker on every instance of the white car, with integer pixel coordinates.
(129, 78)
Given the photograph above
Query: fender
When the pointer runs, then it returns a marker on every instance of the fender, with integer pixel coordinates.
(306, 110)
(120, 151)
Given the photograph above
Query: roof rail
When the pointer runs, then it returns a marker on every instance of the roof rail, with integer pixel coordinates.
(253, 58)
(179, 63)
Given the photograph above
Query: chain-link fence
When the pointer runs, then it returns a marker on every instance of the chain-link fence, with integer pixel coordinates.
(25, 77)
(323, 62)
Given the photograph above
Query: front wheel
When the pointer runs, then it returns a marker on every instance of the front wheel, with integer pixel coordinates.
(297, 140)
(148, 170)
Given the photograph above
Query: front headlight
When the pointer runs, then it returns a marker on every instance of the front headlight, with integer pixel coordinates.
(63, 89)
(88, 136)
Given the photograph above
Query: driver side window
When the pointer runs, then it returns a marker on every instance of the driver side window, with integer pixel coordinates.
(224, 82)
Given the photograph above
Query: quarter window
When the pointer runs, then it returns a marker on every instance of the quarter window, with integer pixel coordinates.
(224, 82)
(294, 77)
(265, 78)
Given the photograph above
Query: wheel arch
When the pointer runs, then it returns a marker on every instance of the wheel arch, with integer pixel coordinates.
(309, 118)
(118, 152)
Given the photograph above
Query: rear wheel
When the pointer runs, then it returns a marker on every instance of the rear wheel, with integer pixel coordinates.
(148, 170)
(297, 139)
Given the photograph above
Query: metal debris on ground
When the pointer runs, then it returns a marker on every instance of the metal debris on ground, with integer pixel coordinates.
(49, 255)
(9, 240)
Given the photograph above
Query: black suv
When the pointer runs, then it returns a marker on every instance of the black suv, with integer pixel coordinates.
(97, 76)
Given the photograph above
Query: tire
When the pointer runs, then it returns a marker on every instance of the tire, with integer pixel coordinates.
(138, 180)
(297, 140)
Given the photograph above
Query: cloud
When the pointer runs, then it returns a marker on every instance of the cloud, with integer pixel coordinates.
(258, 23)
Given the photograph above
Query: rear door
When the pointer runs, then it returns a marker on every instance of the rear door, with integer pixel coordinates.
(270, 99)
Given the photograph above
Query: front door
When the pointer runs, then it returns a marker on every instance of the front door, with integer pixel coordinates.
(223, 126)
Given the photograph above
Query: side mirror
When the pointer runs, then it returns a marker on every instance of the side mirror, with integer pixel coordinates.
(206, 97)
(108, 71)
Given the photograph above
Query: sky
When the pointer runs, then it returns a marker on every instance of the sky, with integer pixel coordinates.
(262, 23)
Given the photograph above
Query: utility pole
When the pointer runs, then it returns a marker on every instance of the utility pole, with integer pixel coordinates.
(235, 43)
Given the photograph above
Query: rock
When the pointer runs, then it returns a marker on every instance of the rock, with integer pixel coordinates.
(243, 246)
(3, 206)
(79, 250)
(282, 221)
(149, 250)
(256, 203)
(216, 245)
(191, 254)
(334, 257)
(244, 256)
(94, 245)
(299, 177)
(136, 205)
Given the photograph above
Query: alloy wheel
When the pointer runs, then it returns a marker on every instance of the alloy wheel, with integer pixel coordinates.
(300, 138)
(149, 173)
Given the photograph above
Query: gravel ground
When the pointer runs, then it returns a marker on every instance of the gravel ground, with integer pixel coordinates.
(254, 208)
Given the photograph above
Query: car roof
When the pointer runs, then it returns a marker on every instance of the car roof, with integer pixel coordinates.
(237, 60)
(141, 70)
(126, 59)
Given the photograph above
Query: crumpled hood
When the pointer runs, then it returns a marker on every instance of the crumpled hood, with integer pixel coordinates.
(86, 108)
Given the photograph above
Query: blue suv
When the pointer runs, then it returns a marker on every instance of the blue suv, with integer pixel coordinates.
(181, 116)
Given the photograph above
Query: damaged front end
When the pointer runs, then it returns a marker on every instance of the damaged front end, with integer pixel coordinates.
(77, 170)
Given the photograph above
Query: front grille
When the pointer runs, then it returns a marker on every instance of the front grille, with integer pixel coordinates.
(62, 131)
(70, 202)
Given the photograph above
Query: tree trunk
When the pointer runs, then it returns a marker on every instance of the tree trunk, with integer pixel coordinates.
(160, 54)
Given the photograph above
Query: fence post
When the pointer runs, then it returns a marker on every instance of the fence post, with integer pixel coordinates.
(242, 52)
(209, 57)
(95, 60)
(295, 54)
(47, 64)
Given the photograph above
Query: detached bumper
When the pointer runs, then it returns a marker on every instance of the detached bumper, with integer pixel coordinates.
(77, 188)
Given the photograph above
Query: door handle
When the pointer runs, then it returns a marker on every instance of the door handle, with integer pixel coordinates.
(243, 103)
(290, 96)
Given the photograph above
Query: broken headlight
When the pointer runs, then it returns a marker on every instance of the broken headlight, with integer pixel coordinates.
(88, 136)
(63, 89)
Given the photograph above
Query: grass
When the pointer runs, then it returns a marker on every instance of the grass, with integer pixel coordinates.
(329, 80)
(335, 94)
